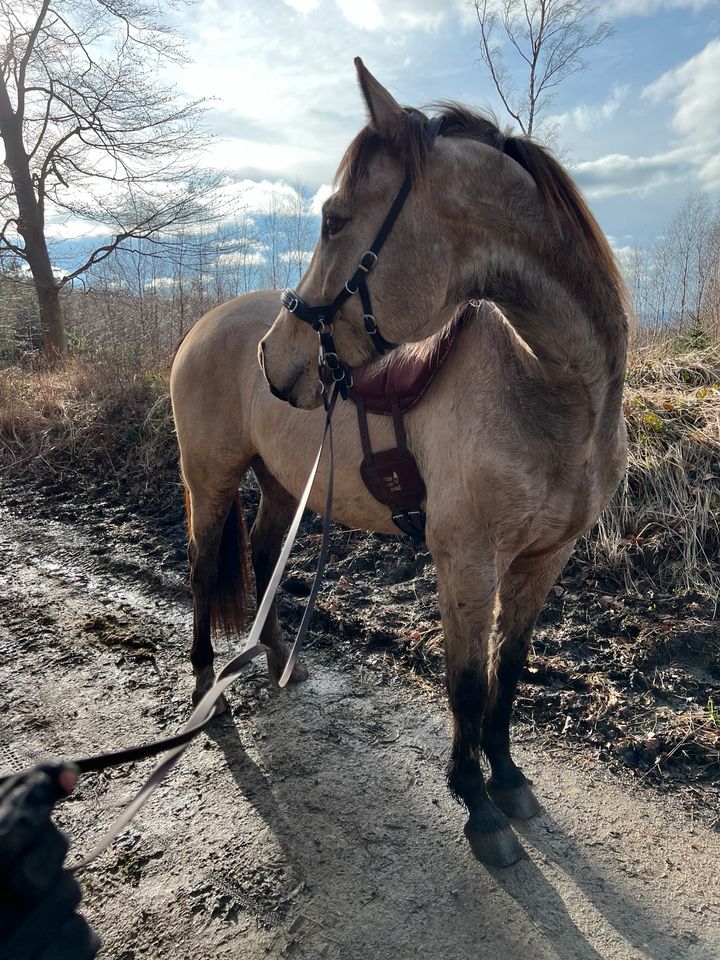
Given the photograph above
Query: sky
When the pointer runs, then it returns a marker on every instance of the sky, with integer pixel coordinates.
(640, 128)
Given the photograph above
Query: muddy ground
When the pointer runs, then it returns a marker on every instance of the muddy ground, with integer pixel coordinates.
(315, 822)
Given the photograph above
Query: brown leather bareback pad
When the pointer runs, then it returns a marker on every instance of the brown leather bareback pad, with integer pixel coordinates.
(390, 386)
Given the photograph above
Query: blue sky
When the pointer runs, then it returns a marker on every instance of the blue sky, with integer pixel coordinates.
(640, 128)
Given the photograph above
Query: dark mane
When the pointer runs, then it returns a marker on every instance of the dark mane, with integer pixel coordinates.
(562, 200)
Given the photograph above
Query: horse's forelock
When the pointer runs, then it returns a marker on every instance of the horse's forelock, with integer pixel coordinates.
(409, 146)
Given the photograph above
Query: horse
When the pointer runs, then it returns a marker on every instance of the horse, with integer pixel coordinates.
(520, 438)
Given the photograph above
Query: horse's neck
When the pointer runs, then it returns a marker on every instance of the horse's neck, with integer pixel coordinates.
(562, 330)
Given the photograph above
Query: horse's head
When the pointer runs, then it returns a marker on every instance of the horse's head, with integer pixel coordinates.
(405, 286)
(418, 224)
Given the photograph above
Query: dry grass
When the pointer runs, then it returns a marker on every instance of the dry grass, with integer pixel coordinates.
(88, 424)
(85, 426)
(663, 527)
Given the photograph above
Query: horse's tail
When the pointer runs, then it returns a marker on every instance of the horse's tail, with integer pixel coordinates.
(230, 591)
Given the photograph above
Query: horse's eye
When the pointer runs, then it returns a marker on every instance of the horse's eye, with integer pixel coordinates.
(333, 224)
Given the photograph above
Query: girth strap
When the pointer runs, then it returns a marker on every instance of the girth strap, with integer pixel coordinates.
(392, 476)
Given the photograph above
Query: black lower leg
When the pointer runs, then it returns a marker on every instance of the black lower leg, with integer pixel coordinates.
(201, 652)
(496, 726)
(266, 537)
(487, 828)
(508, 787)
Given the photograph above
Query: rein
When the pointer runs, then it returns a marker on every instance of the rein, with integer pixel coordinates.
(321, 316)
(204, 712)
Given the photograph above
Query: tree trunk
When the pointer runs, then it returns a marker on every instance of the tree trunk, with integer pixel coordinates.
(31, 227)
(52, 322)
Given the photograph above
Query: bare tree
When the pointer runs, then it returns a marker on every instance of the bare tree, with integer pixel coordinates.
(675, 281)
(89, 133)
(546, 40)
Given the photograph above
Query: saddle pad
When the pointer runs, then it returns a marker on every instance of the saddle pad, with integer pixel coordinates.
(404, 375)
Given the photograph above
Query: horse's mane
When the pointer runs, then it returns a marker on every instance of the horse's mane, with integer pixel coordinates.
(562, 200)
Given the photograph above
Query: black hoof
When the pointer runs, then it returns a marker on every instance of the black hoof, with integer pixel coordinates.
(495, 848)
(519, 803)
(204, 679)
(276, 667)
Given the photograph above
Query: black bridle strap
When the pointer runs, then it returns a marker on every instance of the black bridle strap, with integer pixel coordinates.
(321, 317)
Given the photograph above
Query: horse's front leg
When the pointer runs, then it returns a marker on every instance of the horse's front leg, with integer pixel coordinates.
(467, 586)
(520, 599)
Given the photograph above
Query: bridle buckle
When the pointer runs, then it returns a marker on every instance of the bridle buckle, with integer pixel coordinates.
(367, 267)
(370, 323)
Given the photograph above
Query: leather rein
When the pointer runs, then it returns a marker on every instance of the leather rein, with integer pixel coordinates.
(321, 316)
(204, 712)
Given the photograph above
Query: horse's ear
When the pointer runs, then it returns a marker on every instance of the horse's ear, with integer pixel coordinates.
(386, 114)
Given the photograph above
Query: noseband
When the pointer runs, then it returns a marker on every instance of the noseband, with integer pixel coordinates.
(321, 317)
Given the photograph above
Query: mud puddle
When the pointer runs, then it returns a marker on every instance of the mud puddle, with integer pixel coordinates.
(316, 823)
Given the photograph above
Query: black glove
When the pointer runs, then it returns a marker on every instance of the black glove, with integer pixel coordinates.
(37, 897)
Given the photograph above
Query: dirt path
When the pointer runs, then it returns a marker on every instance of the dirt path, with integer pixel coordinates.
(313, 823)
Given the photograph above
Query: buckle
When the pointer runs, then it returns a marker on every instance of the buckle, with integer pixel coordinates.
(333, 364)
(289, 301)
(364, 265)
(350, 289)
(336, 378)
(370, 323)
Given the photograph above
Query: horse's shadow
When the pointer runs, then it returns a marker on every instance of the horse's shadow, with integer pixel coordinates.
(375, 893)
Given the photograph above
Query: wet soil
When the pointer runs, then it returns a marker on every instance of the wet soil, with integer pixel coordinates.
(315, 822)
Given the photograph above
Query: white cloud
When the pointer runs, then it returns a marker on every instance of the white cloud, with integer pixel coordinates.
(362, 13)
(303, 6)
(617, 173)
(242, 258)
(691, 94)
(75, 229)
(418, 15)
(321, 195)
(585, 117)
(694, 89)
(646, 8)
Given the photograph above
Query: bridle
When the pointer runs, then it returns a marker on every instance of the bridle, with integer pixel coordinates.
(321, 317)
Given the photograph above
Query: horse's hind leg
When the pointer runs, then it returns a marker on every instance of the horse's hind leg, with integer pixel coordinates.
(521, 597)
(219, 577)
(273, 518)
(467, 586)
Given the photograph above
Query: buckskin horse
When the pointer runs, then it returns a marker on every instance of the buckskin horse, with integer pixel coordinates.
(519, 439)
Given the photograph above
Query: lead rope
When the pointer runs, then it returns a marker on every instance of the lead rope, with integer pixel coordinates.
(205, 710)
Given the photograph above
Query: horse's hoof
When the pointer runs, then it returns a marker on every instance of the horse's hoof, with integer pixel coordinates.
(518, 803)
(277, 667)
(300, 673)
(204, 679)
(221, 704)
(494, 848)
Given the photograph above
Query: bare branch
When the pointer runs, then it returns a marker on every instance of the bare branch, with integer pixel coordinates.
(547, 38)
